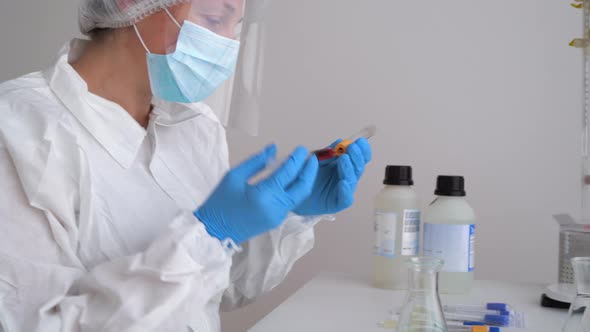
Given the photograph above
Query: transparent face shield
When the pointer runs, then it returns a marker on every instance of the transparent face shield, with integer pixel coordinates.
(238, 101)
(214, 54)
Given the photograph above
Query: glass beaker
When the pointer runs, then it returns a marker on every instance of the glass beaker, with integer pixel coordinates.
(579, 313)
(422, 311)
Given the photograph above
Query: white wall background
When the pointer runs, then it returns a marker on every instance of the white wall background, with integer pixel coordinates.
(489, 90)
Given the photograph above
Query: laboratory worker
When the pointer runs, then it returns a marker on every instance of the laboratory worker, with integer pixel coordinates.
(118, 208)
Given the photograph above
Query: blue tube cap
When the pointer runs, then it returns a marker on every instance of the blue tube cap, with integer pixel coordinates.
(494, 329)
(497, 306)
(474, 323)
(497, 320)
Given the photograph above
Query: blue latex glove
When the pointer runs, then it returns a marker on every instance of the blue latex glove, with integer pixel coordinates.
(337, 179)
(240, 211)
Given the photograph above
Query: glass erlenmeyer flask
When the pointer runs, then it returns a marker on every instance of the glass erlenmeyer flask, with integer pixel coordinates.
(579, 314)
(422, 311)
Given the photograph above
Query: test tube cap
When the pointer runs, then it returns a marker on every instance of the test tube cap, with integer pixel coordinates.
(497, 320)
(497, 306)
(480, 329)
(398, 175)
(474, 323)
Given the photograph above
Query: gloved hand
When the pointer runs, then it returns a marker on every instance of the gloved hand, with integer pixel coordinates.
(240, 211)
(337, 179)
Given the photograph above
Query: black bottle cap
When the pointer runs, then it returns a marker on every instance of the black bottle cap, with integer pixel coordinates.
(447, 185)
(398, 176)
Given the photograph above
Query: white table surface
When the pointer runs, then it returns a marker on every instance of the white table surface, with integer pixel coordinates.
(333, 302)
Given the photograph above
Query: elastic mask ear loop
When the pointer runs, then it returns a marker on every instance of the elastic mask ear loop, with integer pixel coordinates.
(172, 17)
(139, 35)
(141, 39)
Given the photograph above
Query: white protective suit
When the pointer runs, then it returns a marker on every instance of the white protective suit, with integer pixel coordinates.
(96, 224)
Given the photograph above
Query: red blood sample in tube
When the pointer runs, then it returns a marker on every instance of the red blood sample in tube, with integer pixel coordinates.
(325, 154)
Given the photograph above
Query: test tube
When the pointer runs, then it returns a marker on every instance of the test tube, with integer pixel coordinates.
(340, 148)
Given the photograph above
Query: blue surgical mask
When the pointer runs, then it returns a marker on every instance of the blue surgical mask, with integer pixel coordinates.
(202, 61)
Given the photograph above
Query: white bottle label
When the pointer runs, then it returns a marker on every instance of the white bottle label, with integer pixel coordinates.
(385, 232)
(455, 244)
(411, 233)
